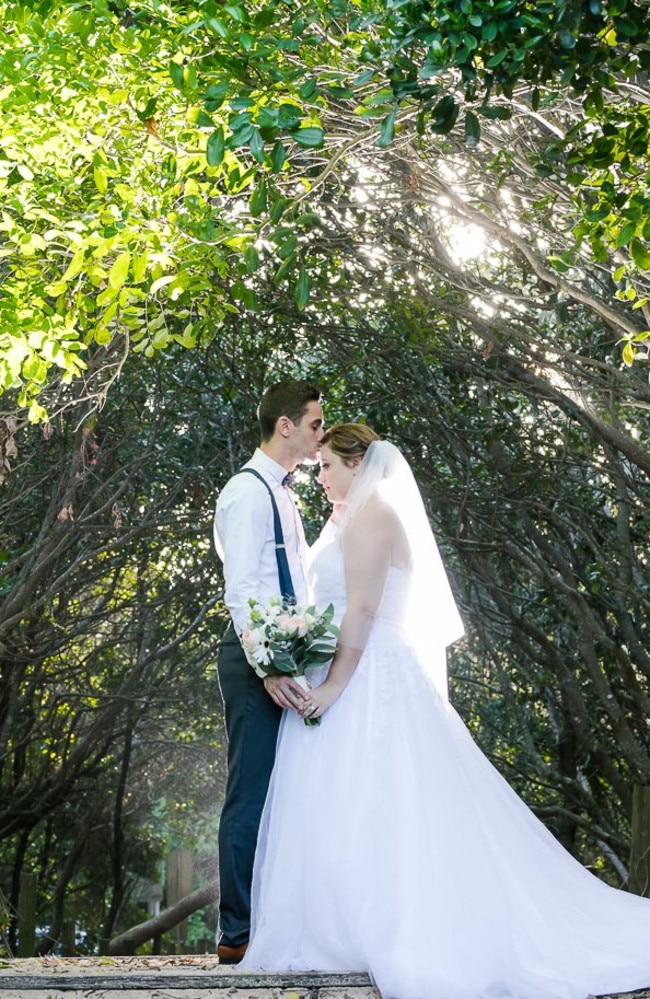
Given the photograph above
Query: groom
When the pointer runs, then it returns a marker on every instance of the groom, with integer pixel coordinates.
(291, 424)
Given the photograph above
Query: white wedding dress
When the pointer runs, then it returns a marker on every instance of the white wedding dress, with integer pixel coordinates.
(389, 844)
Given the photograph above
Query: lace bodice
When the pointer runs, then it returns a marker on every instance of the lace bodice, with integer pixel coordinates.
(327, 579)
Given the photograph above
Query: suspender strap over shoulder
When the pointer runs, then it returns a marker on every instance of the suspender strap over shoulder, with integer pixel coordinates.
(284, 573)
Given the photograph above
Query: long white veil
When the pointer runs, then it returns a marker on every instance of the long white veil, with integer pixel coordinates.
(432, 617)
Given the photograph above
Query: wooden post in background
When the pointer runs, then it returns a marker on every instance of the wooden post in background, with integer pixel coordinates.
(68, 941)
(27, 915)
(639, 880)
(180, 882)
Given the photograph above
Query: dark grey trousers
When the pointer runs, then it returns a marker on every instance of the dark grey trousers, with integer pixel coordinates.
(252, 721)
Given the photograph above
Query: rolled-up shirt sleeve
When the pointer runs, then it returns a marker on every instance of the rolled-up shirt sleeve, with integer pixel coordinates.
(243, 525)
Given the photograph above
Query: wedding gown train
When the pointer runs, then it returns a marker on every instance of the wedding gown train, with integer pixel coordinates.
(390, 844)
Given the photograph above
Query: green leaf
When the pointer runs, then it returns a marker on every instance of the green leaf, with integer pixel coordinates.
(257, 146)
(278, 157)
(103, 335)
(311, 138)
(496, 59)
(177, 75)
(444, 115)
(284, 268)
(626, 234)
(472, 129)
(101, 179)
(218, 27)
(119, 270)
(387, 131)
(161, 282)
(251, 258)
(302, 288)
(216, 94)
(640, 254)
(629, 353)
(495, 112)
(237, 13)
(308, 89)
(139, 266)
(215, 148)
(258, 199)
(288, 247)
(277, 210)
(288, 116)
(106, 296)
(75, 266)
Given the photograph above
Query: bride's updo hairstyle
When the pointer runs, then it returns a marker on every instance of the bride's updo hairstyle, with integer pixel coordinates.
(349, 441)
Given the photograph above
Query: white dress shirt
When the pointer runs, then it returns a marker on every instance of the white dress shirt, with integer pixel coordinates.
(245, 539)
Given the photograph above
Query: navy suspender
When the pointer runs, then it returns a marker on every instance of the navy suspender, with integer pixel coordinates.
(284, 574)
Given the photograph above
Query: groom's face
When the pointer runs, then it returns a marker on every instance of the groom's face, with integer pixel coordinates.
(307, 433)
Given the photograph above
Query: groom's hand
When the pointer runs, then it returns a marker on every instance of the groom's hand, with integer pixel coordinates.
(285, 692)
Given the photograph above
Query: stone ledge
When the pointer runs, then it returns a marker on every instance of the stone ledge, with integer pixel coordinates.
(297, 983)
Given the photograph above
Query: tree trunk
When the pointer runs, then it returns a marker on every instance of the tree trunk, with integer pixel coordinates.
(639, 881)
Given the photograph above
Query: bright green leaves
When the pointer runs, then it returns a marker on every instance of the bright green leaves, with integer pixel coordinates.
(108, 229)
(154, 169)
(607, 157)
(119, 270)
(635, 345)
(29, 348)
(265, 132)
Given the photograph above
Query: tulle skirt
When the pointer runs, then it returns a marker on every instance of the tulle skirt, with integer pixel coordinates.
(389, 844)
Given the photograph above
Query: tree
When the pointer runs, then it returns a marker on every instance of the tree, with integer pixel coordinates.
(152, 151)
(108, 706)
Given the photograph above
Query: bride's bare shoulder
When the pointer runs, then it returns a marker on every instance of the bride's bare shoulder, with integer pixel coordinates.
(377, 528)
(378, 515)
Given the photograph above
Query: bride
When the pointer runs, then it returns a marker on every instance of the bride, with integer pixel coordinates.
(389, 843)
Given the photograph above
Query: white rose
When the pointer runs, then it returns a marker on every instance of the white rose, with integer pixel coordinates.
(286, 623)
(300, 625)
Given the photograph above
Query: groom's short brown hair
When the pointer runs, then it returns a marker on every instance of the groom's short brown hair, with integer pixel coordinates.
(287, 398)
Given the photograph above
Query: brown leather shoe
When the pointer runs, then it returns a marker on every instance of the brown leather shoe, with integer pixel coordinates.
(230, 955)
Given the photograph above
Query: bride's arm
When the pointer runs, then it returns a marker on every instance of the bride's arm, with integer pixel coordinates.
(367, 547)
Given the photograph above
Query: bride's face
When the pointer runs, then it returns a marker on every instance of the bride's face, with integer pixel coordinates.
(335, 475)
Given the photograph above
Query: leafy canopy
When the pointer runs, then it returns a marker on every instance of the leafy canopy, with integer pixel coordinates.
(154, 155)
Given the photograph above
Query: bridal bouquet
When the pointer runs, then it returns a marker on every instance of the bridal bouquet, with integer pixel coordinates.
(284, 641)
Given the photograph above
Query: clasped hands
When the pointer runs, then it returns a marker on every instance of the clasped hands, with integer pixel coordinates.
(307, 703)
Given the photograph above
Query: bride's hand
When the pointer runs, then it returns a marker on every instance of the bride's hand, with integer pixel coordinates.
(320, 699)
